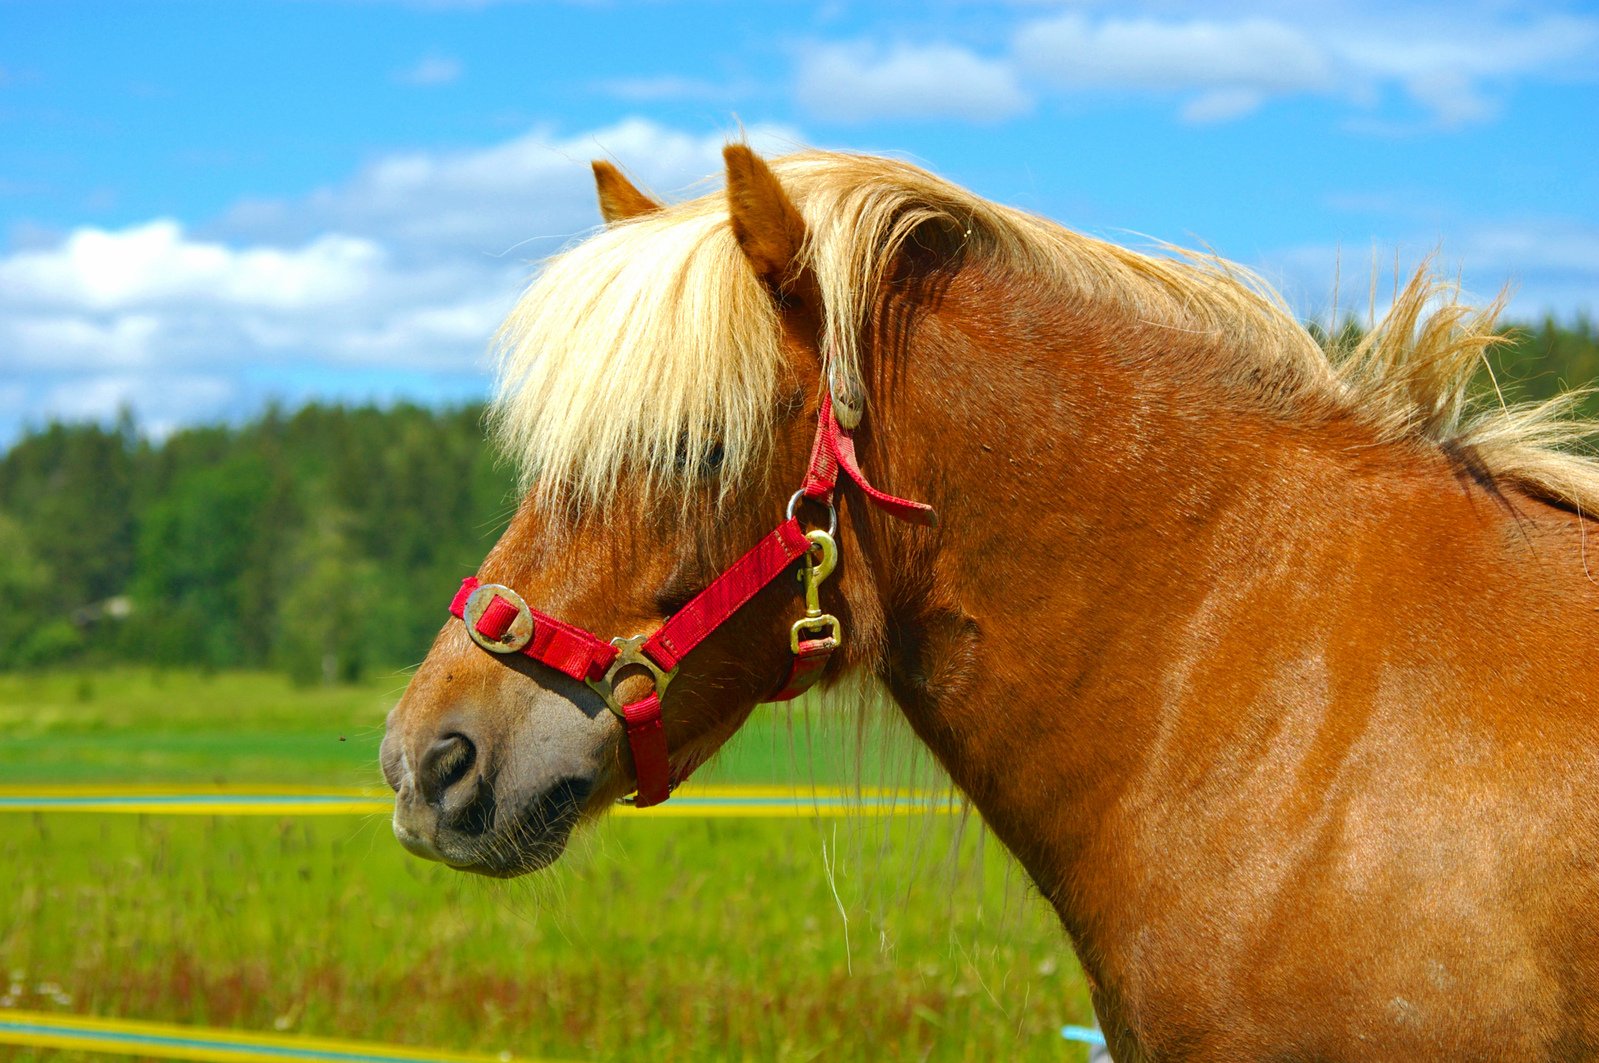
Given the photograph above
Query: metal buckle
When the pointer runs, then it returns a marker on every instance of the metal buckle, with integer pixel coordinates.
(630, 651)
(519, 634)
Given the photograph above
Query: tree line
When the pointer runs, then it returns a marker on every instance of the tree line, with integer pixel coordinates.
(323, 542)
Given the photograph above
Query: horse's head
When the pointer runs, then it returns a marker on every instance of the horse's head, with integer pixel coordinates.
(649, 482)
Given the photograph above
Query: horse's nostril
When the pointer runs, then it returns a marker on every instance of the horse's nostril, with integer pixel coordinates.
(445, 763)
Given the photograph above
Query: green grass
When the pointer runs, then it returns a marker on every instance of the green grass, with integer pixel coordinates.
(134, 725)
(139, 726)
(655, 939)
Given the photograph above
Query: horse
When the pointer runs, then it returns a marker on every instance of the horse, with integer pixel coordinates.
(1273, 669)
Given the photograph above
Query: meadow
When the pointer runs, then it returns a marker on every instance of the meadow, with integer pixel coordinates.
(909, 937)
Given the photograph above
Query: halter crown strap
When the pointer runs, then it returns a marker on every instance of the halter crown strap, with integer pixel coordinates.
(834, 449)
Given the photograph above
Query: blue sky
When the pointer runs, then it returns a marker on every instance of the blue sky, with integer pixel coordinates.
(207, 206)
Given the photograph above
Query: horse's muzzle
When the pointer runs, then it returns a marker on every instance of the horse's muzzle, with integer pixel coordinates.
(448, 807)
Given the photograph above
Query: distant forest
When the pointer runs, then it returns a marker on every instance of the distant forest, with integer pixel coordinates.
(325, 542)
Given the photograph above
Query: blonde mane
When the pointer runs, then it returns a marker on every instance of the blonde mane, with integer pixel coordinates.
(650, 347)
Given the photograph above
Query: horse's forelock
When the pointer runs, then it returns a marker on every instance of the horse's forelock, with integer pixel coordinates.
(636, 357)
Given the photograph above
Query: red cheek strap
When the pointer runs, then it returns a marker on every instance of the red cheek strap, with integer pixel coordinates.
(833, 450)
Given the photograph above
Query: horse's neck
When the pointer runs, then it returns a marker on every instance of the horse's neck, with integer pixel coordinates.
(1101, 501)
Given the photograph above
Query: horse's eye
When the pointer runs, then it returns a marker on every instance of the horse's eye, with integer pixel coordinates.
(712, 461)
(709, 461)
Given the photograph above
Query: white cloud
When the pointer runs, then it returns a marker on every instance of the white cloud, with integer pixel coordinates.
(154, 297)
(1553, 45)
(155, 263)
(413, 336)
(534, 187)
(164, 401)
(671, 88)
(1451, 97)
(63, 341)
(431, 71)
(1221, 105)
(1213, 69)
(857, 82)
(1256, 54)
(1454, 70)
(383, 275)
(1550, 265)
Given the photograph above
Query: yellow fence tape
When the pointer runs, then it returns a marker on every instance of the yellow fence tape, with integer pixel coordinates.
(692, 802)
(156, 1040)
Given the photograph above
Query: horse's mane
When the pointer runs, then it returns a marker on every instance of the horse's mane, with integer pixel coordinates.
(651, 346)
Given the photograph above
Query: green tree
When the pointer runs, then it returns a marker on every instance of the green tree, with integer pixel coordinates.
(1539, 362)
(194, 591)
(332, 625)
(70, 487)
(32, 630)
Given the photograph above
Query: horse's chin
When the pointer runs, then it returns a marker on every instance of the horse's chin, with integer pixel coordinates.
(525, 862)
(524, 836)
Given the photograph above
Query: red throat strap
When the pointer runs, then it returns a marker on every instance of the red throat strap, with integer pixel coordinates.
(646, 740)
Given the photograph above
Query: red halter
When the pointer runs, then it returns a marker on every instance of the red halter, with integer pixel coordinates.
(500, 621)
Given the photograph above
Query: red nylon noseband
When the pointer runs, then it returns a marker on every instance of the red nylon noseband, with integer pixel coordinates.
(500, 621)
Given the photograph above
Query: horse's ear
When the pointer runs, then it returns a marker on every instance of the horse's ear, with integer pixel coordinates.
(619, 199)
(766, 223)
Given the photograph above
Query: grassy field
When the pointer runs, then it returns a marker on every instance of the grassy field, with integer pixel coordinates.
(910, 938)
(136, 726)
